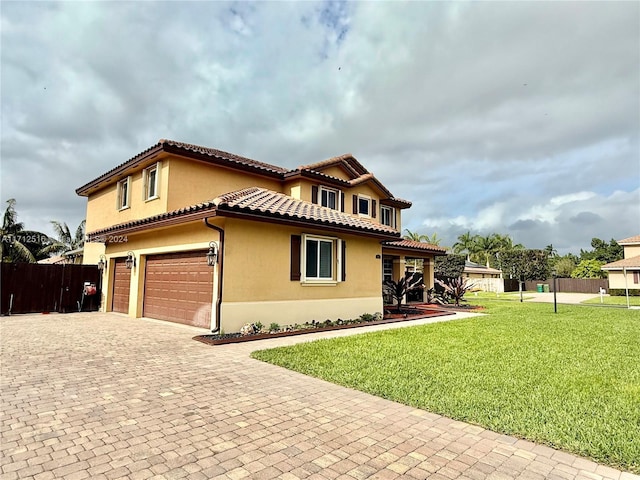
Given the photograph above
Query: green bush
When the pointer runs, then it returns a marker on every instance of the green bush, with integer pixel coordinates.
(621, 292)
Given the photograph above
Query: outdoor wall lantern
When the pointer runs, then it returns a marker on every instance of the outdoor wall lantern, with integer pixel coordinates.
(102, 263)
(130, 262)
(212, 254)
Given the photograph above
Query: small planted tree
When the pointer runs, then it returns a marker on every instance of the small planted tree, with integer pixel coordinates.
(398, 289)
(455, 288)
(525, 265)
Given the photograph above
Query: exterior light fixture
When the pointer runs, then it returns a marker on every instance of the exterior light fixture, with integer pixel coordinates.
(212, 254)
(130, 262)
(102, 263)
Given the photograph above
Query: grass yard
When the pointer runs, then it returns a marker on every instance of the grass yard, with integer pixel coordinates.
(618, 301)
(569, 380)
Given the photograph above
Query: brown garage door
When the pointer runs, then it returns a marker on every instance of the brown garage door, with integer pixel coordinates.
(179, 288)
(121, 287)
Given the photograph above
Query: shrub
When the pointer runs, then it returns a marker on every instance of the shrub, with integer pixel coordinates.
(621, 292)
(366, 317)
(274, 327)
(456, 288)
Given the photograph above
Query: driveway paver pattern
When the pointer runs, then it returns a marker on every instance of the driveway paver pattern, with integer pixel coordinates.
(103, 396)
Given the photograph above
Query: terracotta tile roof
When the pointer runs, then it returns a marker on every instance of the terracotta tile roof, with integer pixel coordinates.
(630, 263)
(256, 202)
(417, 246)
(199, 210)
(267, 203)
(232, 158)
(221, 157)
(347, 160)
(630, 240)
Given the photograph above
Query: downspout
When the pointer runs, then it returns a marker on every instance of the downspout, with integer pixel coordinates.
(220, 273)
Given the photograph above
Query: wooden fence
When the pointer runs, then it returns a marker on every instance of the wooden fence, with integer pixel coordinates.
(33, 288)
(570, 285)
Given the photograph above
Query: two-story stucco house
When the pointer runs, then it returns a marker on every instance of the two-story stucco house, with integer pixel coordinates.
(203, 237)
(625, 273)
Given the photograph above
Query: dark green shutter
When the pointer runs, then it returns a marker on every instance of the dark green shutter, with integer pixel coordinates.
(296, 242)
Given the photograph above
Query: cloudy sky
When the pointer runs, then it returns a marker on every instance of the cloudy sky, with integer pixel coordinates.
(519, 118)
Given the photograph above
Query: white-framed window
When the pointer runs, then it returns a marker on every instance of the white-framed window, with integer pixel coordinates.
(364, 205)
(387, 216)
(321, 259)
(150, 176)
(124, 193)
(330, 198)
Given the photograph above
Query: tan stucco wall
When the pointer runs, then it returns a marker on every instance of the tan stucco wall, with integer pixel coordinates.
(102, 208)
(193, 182)
(616, 280)
(257, 265)
(337, 172)
(631, 251)
(235, 315)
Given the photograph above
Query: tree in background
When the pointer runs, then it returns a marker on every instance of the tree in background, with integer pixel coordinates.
(414, 236)
(466, 244)
(18, 244)
(485, 250)
(603, 252)
(525, 265)
(66, 242)
(589, 269)
(563, 266)
(417, 237)
(449, 266)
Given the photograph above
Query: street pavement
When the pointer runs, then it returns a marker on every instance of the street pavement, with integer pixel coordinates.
(104, 396)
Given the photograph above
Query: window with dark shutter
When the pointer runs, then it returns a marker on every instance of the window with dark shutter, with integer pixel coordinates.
(344, 261)
(296, 241)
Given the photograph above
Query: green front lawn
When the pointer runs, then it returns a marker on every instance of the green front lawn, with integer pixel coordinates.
(569, 380)
(618, 301)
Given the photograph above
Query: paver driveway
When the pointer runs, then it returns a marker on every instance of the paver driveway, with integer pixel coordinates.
(103, 396)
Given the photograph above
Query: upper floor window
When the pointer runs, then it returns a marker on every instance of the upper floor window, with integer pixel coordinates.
(364, 205)
(329, 198)
(387, 216)
(150, 176)
(124, 193)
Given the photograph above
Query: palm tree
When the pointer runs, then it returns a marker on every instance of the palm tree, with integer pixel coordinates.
(433, 239)
(414, 236)
(486, 247)
(466, 244)
(66, 242)
(18, 244)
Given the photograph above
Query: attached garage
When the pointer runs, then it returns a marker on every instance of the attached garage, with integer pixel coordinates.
(178, 287)
(121, 287)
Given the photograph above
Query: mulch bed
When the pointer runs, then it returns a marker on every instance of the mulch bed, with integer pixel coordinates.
(412, 313)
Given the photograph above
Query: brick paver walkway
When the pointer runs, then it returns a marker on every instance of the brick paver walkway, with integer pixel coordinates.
(102, 396)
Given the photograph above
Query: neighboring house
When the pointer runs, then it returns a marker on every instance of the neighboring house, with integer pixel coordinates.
(72, 256)
(285, 246)
(483, 277)
(625, 273)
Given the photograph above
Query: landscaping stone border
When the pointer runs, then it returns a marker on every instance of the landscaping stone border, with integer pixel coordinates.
(212, 340)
